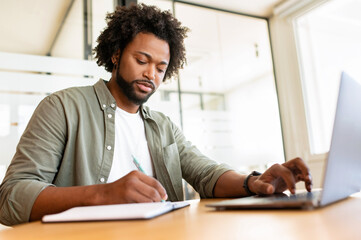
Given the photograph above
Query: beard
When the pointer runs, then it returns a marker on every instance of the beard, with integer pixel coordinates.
(129, 90)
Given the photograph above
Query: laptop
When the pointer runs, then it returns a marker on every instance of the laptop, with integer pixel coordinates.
(342, 175)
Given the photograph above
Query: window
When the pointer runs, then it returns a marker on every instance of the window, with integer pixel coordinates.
(4, 120)
(329, 40)
(313, 41)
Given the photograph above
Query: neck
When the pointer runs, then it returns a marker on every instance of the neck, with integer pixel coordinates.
(121, 100)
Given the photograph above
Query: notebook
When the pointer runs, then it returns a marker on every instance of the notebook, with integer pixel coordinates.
(342, 175)
(115, 212)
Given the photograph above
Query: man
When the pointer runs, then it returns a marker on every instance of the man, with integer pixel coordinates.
(79, 146)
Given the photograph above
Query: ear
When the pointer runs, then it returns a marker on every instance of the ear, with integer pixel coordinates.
(116, 57)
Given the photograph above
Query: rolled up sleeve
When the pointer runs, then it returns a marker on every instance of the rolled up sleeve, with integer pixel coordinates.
(35, 162)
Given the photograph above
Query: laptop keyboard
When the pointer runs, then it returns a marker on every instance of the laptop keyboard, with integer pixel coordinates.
(281, 200)
(303, 196)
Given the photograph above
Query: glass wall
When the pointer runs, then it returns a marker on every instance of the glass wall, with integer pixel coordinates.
(227, 89)
(42, 50)
(328, 43)
(225, 100)
(230, 68)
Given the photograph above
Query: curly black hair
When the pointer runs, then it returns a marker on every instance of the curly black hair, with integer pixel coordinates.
(126, 22)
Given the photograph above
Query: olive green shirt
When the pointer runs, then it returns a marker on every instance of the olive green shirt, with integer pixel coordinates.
(69, 141)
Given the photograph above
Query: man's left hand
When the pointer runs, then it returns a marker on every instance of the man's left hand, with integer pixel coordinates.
(281, 177)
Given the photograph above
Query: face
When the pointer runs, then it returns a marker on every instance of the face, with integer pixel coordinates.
(142, 67)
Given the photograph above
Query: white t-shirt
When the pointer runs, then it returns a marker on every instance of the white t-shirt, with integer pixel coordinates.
(129, 140)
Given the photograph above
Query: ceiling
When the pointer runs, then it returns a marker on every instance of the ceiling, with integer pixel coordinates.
(262, 8)
(55, 28)
(35, 28)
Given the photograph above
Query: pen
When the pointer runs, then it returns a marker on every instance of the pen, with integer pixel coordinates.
(137, 164)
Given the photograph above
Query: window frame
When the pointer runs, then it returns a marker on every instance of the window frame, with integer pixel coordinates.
(288, 71)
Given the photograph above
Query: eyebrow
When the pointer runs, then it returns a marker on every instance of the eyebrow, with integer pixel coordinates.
(150, 57)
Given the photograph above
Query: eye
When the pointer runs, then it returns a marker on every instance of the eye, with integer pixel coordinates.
(160, 70)
(141, 62)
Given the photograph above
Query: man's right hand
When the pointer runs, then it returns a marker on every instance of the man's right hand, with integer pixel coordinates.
(134, 187)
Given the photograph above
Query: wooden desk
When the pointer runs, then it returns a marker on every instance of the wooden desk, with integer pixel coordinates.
(341, 220)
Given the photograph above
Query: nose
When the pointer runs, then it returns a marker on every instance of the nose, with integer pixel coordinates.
(149, 73)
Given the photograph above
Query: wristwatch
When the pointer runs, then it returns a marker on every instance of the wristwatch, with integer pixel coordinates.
(245, 183)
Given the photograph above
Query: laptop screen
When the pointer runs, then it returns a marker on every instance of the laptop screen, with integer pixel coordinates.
(343, 168)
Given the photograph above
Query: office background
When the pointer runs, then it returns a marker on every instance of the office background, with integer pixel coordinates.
(259, 87)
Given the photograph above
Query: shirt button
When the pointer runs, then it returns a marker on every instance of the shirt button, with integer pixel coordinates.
(109, 147)
(104, 106)
(112, 105)
(102, 179)
(110, 116)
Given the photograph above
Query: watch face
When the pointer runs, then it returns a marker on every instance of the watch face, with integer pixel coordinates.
(255, 173)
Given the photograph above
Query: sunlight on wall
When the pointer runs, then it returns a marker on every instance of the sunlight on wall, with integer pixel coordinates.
(329, 40)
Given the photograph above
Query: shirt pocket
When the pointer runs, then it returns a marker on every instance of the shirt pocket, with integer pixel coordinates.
(172, 163)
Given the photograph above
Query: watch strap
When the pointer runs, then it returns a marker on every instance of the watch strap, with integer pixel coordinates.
(245, 183)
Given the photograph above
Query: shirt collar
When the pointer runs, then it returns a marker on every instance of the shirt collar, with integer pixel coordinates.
(104, 96)
(144, 110)
(106, 99)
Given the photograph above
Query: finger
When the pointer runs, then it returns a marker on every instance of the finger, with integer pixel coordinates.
(287, 177)
(298, 164)
(138, 190)
(153, 184)
(308, 183)
(148, 193)
(263, 188)
(136, 196)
